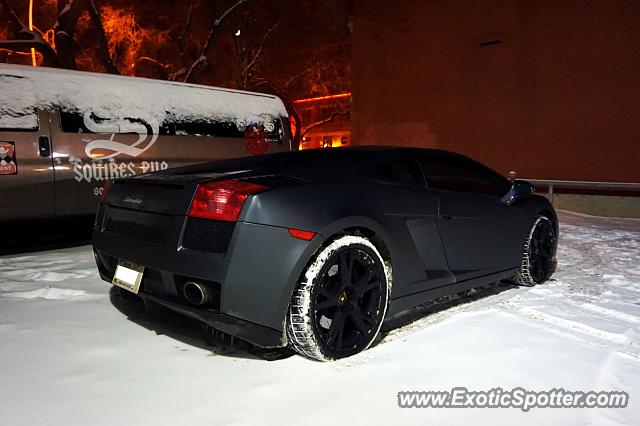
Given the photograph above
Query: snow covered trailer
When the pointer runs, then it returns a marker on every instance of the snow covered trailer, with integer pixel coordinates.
(63, 133)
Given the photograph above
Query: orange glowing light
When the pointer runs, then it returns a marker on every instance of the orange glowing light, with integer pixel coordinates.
(33, 51)
(292, 124)
(322, 98)
(128, 41)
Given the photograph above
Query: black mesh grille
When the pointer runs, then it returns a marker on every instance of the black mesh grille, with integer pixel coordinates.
(135, 224)
(213, 236)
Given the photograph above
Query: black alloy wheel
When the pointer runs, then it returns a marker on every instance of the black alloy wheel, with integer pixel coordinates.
(347, 302)
(339, 304)
(542, 251)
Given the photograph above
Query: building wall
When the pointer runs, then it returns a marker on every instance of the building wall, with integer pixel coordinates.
(550, 89)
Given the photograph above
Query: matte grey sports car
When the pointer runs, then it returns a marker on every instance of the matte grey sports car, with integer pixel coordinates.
(314, 249)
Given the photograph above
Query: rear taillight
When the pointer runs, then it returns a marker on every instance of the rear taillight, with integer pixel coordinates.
(222, 200)
(106, 186)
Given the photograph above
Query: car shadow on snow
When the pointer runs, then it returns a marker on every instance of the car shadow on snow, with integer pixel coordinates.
(190, 332)
(28, 236)
(441, 304)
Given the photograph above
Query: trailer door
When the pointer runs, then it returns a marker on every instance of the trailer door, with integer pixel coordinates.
(26, 166)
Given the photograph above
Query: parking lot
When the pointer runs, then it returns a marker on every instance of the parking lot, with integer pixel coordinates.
(74, 352)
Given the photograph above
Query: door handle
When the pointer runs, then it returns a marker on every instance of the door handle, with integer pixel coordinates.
(43, 146)
(446, 216)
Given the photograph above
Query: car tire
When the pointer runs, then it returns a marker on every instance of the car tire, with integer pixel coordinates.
(340, 301)
(538, 259)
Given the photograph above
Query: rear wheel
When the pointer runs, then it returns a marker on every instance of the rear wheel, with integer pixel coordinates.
(538, 260)
(338, 306)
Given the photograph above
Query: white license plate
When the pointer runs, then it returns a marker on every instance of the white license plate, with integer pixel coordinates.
(128, 276)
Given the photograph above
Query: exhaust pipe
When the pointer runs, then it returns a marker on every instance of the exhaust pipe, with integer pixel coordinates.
(196, 293)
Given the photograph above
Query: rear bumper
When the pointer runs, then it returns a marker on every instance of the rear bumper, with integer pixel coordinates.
(251, 282)
(254, 333)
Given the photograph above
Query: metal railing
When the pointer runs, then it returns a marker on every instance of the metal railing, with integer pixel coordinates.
(584, 185)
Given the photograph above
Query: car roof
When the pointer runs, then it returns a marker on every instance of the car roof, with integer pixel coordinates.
(318, 162)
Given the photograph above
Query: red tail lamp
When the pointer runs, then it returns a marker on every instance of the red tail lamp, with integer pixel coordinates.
(222, 200)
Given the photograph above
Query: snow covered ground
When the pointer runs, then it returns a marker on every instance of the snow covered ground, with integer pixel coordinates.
(72, 355)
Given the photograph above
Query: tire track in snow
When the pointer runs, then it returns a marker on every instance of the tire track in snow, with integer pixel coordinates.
(610, 313)
(583, 283)
(577, 326)
(618, 343)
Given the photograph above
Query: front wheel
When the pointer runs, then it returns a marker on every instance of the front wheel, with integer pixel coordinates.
(538, 259)
(338, 306)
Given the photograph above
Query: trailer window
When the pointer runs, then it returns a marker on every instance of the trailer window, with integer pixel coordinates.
(214, 128)
(201, 127)
(100, 122)
(74, 122)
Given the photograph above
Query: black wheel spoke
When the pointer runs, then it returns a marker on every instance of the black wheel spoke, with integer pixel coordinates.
(364, 279)
(329, 303)
(533, 268)
(367, 318)
(367, 288)
(336, 331)
(328, 293)
(360, 323)
(346, 267)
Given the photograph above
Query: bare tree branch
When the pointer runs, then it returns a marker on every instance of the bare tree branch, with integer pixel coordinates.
(174, 76)
(152, 65)
(105, 55)
(325, 121)
(27, 39)
(185, 30)
(69, 12)
(10, 52)
(201, 61)
(259, 51)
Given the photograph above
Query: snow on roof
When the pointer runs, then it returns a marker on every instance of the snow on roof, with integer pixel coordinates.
(25, 88)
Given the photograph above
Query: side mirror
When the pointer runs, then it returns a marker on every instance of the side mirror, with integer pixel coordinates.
(518, 189)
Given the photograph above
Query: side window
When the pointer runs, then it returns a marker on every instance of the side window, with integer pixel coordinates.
(72, 122)
(76, 122)
(19, 121)
(454, 173)
(190, 126)
(398, 172)
(104, 121)
(202, 127)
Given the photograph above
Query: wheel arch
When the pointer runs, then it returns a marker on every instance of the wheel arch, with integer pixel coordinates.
(372, 236)
(352, 225)
(366, 227)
